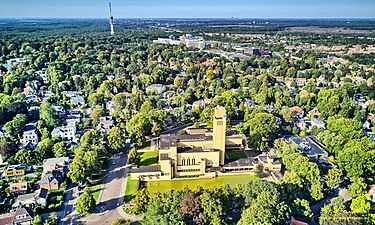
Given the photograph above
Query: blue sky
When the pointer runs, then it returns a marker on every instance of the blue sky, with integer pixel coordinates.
(188, 8)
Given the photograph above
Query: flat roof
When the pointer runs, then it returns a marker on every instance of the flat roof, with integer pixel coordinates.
(309, 145)
(244, 162)
(146, 169)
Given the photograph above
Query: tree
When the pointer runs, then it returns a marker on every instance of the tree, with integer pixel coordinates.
(59, 149)
(115, 139)
(44, 149)
(190, 207)
(261, 126)
(48, 115)
(86, 203)
(212, 209)
(121, 221)
(134, 157)
(335, 213)
(333, 177)
(156, 129)
(265, 209)
(141, 201)
(361, 205)
(357, 186)
(301, 208)
(14, 128)
(37, 220)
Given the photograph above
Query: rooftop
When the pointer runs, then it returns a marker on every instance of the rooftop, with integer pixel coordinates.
(147, 169)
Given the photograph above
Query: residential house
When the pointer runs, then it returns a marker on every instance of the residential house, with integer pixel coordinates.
(316, 122)
(42, 73)
(314, 112)
(60, 164)
(30, 136)
(110, 106)
(18, 188)
(60, 111)
(297, 111)
(105, 123)
(51, 180)
(16, 61)
(20, 216)
(65, 132)
(38, 197)
(168, 94)
(15, 170)
(158, 88)
(198, 104)
(77, 100)
(300, 123)
(297, 222)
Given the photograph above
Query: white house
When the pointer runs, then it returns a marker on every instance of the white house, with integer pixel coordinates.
(155, 87)
(65, 132)
(105, 123)
(29, 136)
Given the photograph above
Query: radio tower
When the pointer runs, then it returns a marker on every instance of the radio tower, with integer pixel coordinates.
(111, 19)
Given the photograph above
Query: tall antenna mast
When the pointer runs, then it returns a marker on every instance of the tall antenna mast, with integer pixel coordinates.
(111, 19)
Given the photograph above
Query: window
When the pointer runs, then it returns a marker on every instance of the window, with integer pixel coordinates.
(183, 162)
(193, 161)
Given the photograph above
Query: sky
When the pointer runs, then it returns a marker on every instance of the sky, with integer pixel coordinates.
(188, 8)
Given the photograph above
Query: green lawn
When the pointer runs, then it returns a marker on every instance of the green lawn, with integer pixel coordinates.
(131, 189)
(164, 186)
(148, 158)
(236, 154)
(95, 190)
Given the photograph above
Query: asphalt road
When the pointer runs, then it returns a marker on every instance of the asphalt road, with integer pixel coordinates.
(112, 194)
(68, 213)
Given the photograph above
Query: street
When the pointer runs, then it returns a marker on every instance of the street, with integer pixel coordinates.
(110, 198)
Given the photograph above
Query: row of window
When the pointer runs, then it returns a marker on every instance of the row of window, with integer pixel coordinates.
(188, 161)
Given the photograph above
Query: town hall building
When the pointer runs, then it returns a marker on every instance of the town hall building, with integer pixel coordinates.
(201, 153)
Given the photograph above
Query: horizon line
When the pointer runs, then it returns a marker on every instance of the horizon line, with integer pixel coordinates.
(228, 18)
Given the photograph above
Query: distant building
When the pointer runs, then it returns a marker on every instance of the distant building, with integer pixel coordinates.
(158, 88)
(51, 180)
(30, 136)
(202, 153)
(18, 188)
(15, 170)
(16, 61)
(316, 122)
(105, 124)
(65, 132)
(38, 197)
(20, 216)
(311, 147)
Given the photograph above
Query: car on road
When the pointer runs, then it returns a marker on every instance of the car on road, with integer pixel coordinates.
(113, 163)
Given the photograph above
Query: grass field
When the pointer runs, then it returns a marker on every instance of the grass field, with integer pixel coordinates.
(95, 190)
(236, 154)
(131, 189)
(164, 186)
(148, 158)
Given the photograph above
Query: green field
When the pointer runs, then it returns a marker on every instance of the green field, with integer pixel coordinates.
(164, 186)
(236, 154)
(131, 189)
(148, 158)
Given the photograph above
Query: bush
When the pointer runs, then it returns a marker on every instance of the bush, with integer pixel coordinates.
(53, 199)
(51, 207)
(60, 198)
